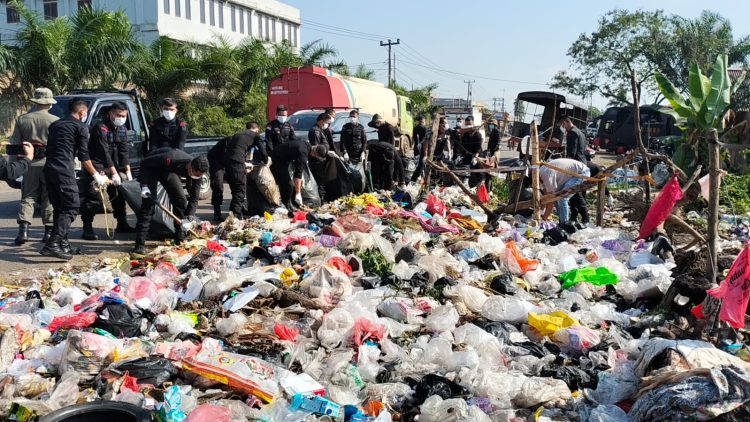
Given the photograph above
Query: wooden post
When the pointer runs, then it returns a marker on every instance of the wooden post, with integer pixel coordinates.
(714, 171)
(601, 197)
(433, 139)
(638, 137)
(535, 170)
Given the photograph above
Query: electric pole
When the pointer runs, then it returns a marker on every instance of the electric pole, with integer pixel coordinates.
(495, 101)
(389, 44)
(468, 92)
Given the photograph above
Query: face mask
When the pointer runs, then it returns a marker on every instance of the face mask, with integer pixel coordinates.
(446, 127)
(354, 120)
(281, 119)
(169, 114)
(562, 129)
(468, 126)
(325, 126)
(119, 121)
(84, 117)
(491, 127)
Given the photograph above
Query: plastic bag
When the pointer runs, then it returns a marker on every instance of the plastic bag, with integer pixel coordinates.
(435, 409)
(66, 391)
(541, 390)
(499, 308)
(310, 193)
(327, 284)
(482, 194)
(87, 354)
(514, 258)
(230, 325)
(442, 318)
(266, 184)
(285, 332)
(141, 288)
(734, 291)
(608, 413)
(472, 297)
(548, 324)
(599, 276)
(577, 338)
(79, 320)
(119, 320)
(661, 207)
(244, 373)
(435, 385)
(366, 330)
(504, 283)
(335, 327)
(209, 413)
(150, 370)
(435, 205)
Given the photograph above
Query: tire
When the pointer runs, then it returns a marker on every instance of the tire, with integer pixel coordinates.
(98, 411)
(205, 191)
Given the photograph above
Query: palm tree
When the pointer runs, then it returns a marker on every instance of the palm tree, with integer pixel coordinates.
(363, 72)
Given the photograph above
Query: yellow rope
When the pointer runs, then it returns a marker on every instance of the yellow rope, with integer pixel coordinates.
(106, 220)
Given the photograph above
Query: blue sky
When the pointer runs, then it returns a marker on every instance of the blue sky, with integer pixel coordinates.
(505, 46)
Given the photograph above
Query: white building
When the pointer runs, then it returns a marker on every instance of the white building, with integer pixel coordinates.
(184, 20)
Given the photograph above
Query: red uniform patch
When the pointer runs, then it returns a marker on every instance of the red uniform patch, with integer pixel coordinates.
(104, 129)
(183, 124)
(168, 161)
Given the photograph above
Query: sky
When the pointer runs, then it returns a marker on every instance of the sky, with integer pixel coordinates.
(506, 47)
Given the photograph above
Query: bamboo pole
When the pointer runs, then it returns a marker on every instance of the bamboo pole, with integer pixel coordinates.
(714, 170)
(535, 170)
(600, 199)
(460, 184)
(433, 139)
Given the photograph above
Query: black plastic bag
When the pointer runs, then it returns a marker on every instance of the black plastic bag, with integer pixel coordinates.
(575, 378)
(555, 236)
(407, 253)
(162, 225)
(197, 261)
(357, 177)
(419, 279)
(504, 284)
(486, 263)
(149, 370)
(499, 329)
(310, 193)
(435, 385)
(119, 320)
(339, 182)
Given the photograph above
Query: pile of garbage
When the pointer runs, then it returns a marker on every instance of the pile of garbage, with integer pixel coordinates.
(372, 308)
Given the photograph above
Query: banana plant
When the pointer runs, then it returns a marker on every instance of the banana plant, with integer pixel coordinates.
(702, 107)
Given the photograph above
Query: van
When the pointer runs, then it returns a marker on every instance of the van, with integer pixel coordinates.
(617, 133)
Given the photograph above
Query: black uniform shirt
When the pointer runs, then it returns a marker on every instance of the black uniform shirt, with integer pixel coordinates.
(419, 134)
(171, 133)
(108, 146)
(238, 145)
(472, 142)
(575, 145)
(169, 160)
(317, 136)
(353, 139)
(293, 153)
(494, 142)
(278, 133)
(68, 138)
(387, 133)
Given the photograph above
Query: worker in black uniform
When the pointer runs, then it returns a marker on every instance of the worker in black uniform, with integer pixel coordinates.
(109, 152)
(216, 172)
(329, 132)
(168, 130)
(320, 167)
(471, 147)
(493, 145)
(68, 139)
(420, 130)
(293, 153)
(166, 166)
(437, 154)
(455, 141)
(279, 130)
(387, 135)
(237, 150)
(575, 140)
(353, 138)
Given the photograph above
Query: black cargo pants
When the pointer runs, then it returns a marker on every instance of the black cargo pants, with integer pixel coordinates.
(63, 195)
(173, 185)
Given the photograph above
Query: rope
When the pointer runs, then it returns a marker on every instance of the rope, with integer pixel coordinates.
(106, 219)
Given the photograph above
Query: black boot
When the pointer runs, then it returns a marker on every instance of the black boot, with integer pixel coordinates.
(23, 234)
(124, 227)
(53, 249)
(139, 249)
(47, 234)
(218, 218)
(88, 232)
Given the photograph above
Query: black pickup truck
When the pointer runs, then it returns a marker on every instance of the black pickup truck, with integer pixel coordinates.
(99, 102)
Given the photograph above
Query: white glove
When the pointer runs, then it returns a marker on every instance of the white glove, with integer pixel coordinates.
(249, 167)
(298, 199)
(100, 179)
(129, 176)
(332, 154)
(145, 192)
(346, 156)
(188, 224)
(116, 179)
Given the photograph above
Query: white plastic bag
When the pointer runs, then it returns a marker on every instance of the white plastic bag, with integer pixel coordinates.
(442, 318)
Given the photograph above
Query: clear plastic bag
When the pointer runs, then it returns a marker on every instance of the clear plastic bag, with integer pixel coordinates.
(473, 297)
(499, 308)
(442, 318)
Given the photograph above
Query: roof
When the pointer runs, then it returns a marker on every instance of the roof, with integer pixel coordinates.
(546, 98)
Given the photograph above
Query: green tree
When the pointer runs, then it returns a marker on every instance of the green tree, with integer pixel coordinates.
(594, 112)
(421, 98)
(605, 60)
(363, 72)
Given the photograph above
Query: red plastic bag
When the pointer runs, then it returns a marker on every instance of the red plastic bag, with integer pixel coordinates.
(735, 291)
(299, 216)
(341, 265)
(141, 287)
(365, 330)
(285, 332)
(375, 210)
(215, 246)
(209, 413)
(661, 208)
(435, 205)
(482, 194)
(525, 264)
(81, 320)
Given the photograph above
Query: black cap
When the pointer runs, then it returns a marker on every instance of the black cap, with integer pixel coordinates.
(375, 118)
(469, 118)
(281, 107)
(354, 112)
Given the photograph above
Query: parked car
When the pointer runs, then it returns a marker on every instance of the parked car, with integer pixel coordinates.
(303, 120)
(591, 129)
(99, 101)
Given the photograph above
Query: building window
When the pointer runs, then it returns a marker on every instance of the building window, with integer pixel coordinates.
(188, 14)
(84, 3)
(177, 8)
(212, 12)
(50, 9)
(289, 30)
(260, 25)
(166, 6)
(221, 14)
(283, 30)
(11, 14)
(267, 24)
(234, 17)
(242, 20)
(203, 11)
(294, 38)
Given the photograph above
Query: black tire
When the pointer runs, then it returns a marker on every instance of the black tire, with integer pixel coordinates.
(111, 411)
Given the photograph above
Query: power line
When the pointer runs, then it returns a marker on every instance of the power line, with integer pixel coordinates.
(489, 78)
(323, 25)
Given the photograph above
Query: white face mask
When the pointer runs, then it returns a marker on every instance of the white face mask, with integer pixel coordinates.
(354, 120)
(325, 126)
(446, 126)
(281, 119)
(84, 117)
(468, 126)
(169, 114)
(562, 129)
(119, 121)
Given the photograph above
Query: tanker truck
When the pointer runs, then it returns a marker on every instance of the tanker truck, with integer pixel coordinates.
(307, 91)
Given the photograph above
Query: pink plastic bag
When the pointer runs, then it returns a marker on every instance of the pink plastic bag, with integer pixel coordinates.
(141, 287)
(365, 330)
(163, 273)
(209, 413)
(80, 320)
(661, 208)
(482, 194)
(285, 332)
(435, 205)
(735, 291)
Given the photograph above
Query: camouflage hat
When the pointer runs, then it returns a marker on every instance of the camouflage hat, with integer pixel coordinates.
(43, 96)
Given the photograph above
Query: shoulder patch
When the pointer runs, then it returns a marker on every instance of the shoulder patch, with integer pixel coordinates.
(182, 123)
(103, 128)
(168, 161)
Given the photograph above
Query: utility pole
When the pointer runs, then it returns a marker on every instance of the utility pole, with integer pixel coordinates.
(468, 92)
(389, 44)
